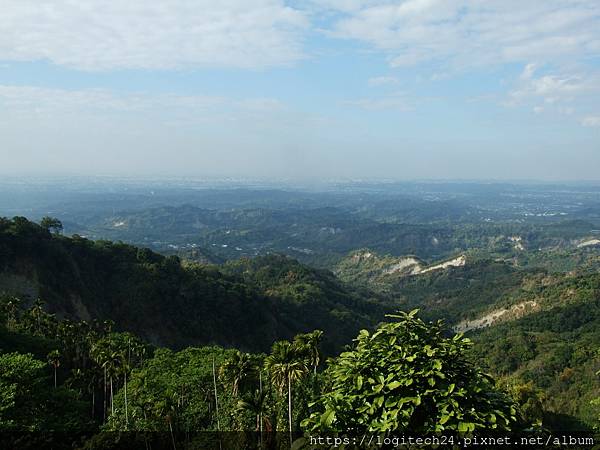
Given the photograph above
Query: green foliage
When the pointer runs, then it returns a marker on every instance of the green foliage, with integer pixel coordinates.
(453, 293)
(286, 365)
(546, 333)
(239, 370)
(552, 350)
(303, 293)
(51, 224)
(248, 305)
(408, 377)
(308, 347)
(596, 404)
(28, 401)
(546, 360)
(174, 389)
(530, 400)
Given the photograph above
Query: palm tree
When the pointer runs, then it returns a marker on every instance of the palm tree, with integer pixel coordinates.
(98, 353)
(109, 357)
(37, 312)
(237, 369)
(124, 360)
(214, 373)
(92, 382)
(113, 366)
(257, 405)
(84, 381)
(168, 409)
(54, 360)
(286, 366)
(10, 307)
(309, 344)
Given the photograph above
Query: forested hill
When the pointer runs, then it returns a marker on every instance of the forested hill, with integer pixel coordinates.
(246, 304)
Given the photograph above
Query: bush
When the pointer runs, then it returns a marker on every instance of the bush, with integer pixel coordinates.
(407, 376)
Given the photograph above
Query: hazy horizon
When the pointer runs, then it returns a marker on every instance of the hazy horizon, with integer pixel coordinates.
(227, 181)
(304, 90)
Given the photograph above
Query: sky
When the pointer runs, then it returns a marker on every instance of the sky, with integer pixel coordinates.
(303, 89)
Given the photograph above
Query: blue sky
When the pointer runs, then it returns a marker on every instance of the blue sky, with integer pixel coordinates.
(409, 89)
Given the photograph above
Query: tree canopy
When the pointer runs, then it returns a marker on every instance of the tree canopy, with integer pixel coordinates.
(408, 376)
(51, 224)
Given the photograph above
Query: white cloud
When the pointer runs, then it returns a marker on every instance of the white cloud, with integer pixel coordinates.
(173, 34)
(383, 81)
(562, 93)
(528, 71)
(591, 121)
(138, 34)
(471, 32)
(552, 88)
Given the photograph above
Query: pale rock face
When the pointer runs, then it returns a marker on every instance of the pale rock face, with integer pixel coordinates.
(515, 311)
(404, 263)
(456, 262)
(413, 266)
(517, 241)
(589, 243)
(408, 265)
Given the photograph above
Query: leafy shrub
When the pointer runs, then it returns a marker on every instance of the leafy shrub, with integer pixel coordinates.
(407, 376)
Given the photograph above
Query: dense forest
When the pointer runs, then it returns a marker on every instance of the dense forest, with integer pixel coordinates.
(114, 345)
(246, 304)
(64, 382)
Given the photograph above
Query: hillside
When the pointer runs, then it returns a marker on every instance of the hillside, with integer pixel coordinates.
(554, 347)
(468, 286)
(534, 329)
(453, 289)
(365, 266)
(177, 304)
